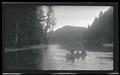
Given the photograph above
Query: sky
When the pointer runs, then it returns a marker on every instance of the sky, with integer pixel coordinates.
(79, 16)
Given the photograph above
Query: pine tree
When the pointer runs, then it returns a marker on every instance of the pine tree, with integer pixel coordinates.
(50, 21)
(42, 23)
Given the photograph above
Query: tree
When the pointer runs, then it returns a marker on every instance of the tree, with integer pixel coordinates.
(29, 30)
(9, 23)
(101, 30)
(51, 20)
(101, 13)
(42, 23)
(50, 23)
(22, 25)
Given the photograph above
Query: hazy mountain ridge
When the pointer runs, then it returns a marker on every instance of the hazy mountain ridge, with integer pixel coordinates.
(68, 35)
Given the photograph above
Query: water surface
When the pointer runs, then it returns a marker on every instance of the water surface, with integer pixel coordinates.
(55, 60)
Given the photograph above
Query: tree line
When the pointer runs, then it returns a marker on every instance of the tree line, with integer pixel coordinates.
(26, 25)
(101, 30)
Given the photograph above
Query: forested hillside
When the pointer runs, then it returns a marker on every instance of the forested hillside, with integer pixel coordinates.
(101, 30)
(25, 25)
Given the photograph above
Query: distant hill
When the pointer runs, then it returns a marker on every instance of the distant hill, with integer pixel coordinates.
(68, 36)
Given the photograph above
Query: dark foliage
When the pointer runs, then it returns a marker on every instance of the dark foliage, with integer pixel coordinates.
(21, 25)
(101, 31)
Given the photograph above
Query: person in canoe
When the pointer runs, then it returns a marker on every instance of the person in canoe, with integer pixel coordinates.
(72, 51)
(77, 55)
(83, 54)
(70, 55)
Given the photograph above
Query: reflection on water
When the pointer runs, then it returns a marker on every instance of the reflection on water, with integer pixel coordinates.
(24, 59)
(55, 59)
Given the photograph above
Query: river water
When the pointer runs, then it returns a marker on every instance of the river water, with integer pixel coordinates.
(54, 59)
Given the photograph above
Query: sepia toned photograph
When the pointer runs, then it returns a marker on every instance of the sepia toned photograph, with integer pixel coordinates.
(58, 37)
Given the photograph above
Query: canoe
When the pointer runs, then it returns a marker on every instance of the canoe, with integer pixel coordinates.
(73, 55)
